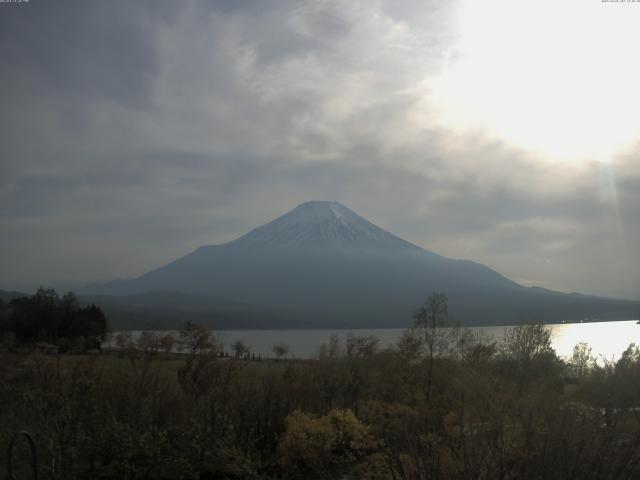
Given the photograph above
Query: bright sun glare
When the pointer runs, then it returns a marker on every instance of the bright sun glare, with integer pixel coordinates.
(560, 77)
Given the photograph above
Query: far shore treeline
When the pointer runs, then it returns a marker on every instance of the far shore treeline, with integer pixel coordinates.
(46, 320)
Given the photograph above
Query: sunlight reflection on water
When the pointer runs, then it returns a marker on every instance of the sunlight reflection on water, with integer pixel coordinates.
(607, 339)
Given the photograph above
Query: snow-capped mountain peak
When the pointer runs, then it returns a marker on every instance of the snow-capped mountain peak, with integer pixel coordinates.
(318, 224)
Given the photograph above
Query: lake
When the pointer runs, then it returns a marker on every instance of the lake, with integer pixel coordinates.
(607, 339)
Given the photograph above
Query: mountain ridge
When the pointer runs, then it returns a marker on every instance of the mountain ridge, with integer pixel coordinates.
(336, 268)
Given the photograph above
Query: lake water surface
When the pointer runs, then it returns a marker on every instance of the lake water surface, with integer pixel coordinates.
(607, 339)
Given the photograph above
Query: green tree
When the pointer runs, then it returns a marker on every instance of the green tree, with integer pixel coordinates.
(95, 326)
(167, 342)
(280, 350)
(5, 326)
(331, 350)
(325, 447)
(362, 346)
(148, 342)
(582, 360)
(45, 317)
(124, 341)
(435, 330)
(524, 343)
(196, 338)
(240, 348)
(527, 349)
(36, 318)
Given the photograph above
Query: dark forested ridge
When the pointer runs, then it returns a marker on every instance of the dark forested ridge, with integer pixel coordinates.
(164, 310)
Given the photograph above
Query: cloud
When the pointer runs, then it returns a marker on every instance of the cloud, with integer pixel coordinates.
(131, 133)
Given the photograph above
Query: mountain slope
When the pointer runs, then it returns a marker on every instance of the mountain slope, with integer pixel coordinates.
(339, 269)
(160, 310)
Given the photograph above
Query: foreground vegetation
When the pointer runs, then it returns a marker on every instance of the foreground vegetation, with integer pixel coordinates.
(439, 404)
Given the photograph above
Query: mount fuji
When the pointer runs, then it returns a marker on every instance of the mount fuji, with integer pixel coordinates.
(326, 266)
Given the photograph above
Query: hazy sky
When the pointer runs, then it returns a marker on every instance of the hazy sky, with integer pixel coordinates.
(506, 132)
